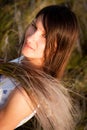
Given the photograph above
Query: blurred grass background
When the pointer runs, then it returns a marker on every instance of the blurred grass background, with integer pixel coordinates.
(15, 15)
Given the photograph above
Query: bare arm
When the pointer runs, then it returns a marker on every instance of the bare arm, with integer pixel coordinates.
(16, 109)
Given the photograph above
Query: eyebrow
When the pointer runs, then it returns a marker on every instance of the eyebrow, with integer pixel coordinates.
(35, 23)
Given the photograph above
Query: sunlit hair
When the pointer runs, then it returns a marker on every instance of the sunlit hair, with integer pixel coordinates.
(61, 28)
(54, 107)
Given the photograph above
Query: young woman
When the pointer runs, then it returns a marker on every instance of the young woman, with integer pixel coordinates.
(33, 86)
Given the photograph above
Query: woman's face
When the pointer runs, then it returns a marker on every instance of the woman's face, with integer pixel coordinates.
(35, 41)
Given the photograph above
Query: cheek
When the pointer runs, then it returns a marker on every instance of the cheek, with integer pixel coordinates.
(41, 48)
(42, 45)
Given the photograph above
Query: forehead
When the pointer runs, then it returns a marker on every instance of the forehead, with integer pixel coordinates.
(39, 23)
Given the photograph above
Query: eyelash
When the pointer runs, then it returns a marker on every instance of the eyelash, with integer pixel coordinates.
(34, 25)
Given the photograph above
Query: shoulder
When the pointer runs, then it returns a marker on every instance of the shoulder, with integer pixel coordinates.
(18, 107)
(20, 98)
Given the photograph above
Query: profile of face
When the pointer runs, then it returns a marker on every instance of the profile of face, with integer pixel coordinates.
(49, 39)
(35, 41)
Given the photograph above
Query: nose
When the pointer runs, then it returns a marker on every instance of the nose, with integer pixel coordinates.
(31, 38)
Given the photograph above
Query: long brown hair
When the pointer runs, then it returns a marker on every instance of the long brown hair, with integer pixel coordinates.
(56, 110)
(53, 105)
(61, 28)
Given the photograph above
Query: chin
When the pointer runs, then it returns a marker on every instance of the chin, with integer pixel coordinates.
(24, 52)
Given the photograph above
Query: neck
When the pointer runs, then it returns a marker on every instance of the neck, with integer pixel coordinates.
(36, 62)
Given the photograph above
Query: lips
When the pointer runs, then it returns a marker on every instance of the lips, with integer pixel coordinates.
(27, 45)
